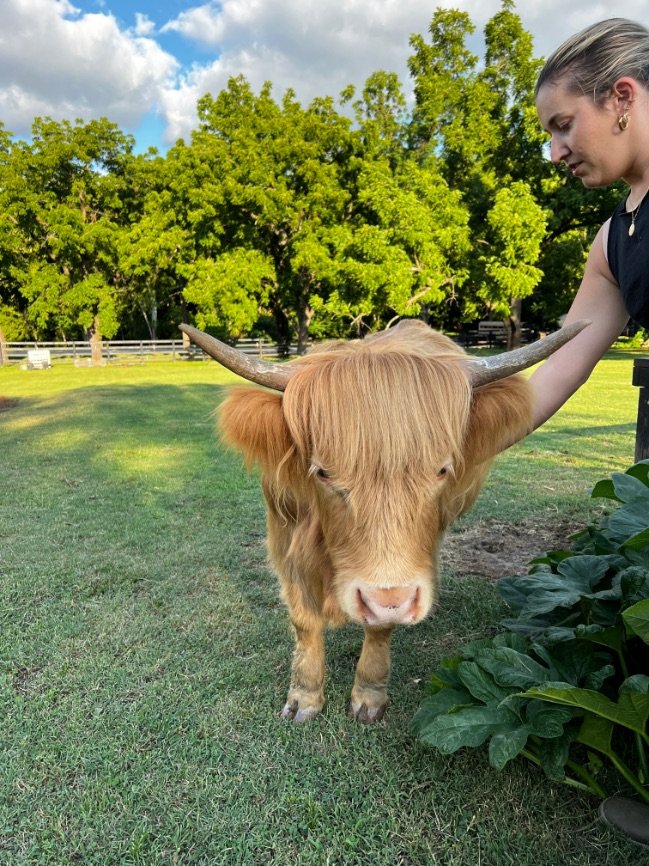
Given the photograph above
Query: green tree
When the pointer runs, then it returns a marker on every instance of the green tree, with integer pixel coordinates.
(12, 304)
(381, 117)
(230, 289)
(481, 123)
(516, 229)
(154, 246)
(62, 202)
(279, 172)
(401, 254)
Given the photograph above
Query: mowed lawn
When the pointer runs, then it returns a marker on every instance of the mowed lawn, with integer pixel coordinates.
(144, 654)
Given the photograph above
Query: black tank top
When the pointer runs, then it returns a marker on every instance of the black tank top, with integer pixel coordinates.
(628, 259)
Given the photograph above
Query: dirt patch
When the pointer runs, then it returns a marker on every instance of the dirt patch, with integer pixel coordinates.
(492, 549)
(6, 404)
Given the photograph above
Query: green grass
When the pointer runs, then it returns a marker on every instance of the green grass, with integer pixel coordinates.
(144, 654)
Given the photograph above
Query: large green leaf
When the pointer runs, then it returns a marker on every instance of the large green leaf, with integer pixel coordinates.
(611, 637)
(640, 471)
(639, 541)
(628, 524)
(605, 489)
(446, 675)
(543, 592)
(636, 619)
(513, 669)
(547, 720)
(476, 649)
(480, 683)
(629, 488)
(516, 590)
(596, 733)
(469, 727)
(634, 583)
(624, 487)
(554, 755)
(638, 683)
(631, 711)
(576, 662)
(444, 701)
(506, 745)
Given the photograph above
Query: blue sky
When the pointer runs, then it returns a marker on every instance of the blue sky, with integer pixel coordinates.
(144, 64)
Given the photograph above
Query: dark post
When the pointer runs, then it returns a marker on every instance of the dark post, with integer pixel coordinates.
(641, 379)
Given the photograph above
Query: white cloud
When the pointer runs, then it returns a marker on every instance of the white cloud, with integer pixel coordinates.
(59, 61)
(317, 47)
(203, 24)
(55, 61)
(313, 47)
(144, 26)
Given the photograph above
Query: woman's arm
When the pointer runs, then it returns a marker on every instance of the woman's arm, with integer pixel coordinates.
(598, 300)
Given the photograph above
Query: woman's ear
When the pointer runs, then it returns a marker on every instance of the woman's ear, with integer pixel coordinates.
(624, 91)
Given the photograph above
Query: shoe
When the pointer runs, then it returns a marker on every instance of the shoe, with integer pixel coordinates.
(628, 817)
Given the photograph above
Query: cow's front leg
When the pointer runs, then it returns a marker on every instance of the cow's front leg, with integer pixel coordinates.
(369, 694)
(306, 696)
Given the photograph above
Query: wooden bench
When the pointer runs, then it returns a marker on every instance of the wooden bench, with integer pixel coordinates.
(493, 333)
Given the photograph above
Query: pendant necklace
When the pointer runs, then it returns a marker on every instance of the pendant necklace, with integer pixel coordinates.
(634, 214)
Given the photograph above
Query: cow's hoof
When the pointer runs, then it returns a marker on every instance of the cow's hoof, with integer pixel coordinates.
(295, 713)
(367, 715)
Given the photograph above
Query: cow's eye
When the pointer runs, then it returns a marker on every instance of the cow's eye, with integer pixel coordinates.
(444, 471)
(320, 473)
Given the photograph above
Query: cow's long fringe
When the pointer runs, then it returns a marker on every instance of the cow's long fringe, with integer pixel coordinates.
(398, 404)
(375, 409)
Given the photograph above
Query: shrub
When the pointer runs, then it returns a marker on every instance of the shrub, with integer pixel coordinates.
(564, 685)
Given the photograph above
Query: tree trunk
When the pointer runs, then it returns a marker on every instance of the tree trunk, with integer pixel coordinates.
(4, 355)
(152, 320)
(514, 324)
(96, 345)
(304, 320)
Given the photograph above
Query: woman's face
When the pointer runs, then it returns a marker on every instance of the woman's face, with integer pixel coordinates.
(584, 135)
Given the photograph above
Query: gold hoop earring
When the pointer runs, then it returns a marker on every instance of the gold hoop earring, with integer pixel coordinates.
(623, 121)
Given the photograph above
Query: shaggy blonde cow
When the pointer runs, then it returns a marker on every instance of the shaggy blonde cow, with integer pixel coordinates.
(368, 451)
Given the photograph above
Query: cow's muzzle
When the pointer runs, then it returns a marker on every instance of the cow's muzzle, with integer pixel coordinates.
(395, 605)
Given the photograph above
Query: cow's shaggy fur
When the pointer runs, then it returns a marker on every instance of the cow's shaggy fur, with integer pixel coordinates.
(374, 448)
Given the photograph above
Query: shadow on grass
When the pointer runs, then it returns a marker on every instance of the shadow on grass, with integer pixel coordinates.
(141, 468)
(136, 490)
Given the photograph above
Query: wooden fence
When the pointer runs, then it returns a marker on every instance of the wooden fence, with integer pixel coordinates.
(39, 354)
(112, 351)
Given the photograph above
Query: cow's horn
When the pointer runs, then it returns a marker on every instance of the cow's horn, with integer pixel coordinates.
(262, 372)
(485, 370)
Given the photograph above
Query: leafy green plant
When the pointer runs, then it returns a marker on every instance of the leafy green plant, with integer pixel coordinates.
(565, 686)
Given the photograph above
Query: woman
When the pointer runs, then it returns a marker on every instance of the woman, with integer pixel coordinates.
(592, 98)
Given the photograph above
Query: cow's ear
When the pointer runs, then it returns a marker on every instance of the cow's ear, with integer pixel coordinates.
(252, 421)
(501, 415)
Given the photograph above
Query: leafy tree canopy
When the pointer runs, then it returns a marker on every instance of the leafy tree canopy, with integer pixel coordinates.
(300, 219)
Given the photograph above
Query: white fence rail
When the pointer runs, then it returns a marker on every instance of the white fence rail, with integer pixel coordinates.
(114, 350)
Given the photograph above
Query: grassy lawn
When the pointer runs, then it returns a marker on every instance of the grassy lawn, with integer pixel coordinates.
(144, 654)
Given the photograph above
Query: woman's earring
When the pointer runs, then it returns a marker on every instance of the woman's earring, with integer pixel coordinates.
(623, 121)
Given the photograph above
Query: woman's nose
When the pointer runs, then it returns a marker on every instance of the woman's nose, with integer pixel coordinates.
(558, 150)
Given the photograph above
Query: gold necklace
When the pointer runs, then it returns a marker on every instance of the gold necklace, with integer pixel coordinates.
(634, 214)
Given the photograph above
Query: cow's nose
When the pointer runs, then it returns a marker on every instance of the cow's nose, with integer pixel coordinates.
(397, 605)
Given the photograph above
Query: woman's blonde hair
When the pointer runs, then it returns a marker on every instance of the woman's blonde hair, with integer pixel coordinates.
(592, 60)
